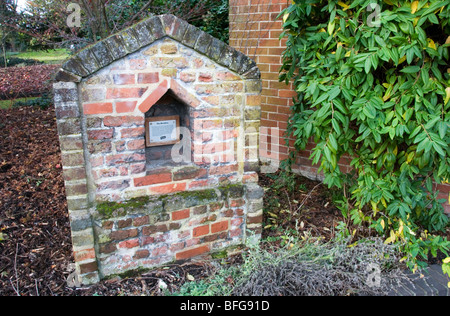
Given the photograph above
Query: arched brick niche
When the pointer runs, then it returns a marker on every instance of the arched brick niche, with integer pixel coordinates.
(135, 206)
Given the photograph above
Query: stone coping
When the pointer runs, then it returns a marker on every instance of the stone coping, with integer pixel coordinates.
(103, 53)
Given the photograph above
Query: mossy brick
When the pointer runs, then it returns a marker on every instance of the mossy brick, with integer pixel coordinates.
(69, 126)
(191, 36)
(88, 267)
(235, 191)
(215, 49)
(116, 46)
(253, 73)
(180, 27)
(75, 65)
(253, 86)
(254, 191)
(67, 110)
(130, 40)
(251, 166)
(246, 63)
(102, 53)
(156, 26)
(70, 143)
(89, 60)
(167, 22)
(65, 76)
(79, 224)
(203, 43)
(78, 203)
(83, 238)
(174, 203)
(144, 33)
(237, 61)
(229, 54)
(72, 159)
(73, 189)
(252, 113)
(62, 96)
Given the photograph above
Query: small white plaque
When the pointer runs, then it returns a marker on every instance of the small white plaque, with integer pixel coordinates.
(162, 130)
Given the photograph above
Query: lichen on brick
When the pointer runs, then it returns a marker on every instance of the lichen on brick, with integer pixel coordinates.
(117, 209)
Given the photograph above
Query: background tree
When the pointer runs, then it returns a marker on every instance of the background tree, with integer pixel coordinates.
(8, 12)
(45, 21)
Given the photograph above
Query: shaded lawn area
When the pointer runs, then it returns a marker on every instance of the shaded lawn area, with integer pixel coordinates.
(51, 56)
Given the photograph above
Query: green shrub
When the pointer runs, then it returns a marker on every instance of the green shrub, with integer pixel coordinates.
(15, 61)
(373, 82)
(43, 102)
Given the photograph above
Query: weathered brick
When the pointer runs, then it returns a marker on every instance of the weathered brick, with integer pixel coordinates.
(123, 234)
(150, 230)
(123, 79)
(132, 243)
(153, 179)
(88, 267)
(200, 231)
(85, 254)
(124, 93)
(169, 48)
(150, 77)
(97, 108)
(159, 251)
(192, 252)
(72, 159)
(116, 121)
(124, 223)
(101, 134)
(168, 188)
(141, 254)
(178, 215)
(219, 227)
(141, 221)
(125, 106)
(74, 174)
(132, 132)
(136, 144)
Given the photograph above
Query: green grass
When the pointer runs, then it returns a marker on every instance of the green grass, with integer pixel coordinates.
(52, 56)
(7, 104)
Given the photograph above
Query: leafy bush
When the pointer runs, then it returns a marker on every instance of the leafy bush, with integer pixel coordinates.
(43, 102)
(373, 82)
(15, 61)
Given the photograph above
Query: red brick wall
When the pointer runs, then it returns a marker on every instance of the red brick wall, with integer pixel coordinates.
(255, 30)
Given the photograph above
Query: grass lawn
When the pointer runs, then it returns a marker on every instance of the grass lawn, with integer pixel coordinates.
(51, 56)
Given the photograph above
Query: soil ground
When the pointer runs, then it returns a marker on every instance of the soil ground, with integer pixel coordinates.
(35, 245)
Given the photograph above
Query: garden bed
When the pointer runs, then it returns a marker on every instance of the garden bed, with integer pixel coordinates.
(35, 247)
(27, 81)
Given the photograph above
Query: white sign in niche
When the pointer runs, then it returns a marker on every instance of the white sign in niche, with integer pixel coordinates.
(163, 130)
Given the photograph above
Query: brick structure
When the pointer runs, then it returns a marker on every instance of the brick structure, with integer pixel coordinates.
(132, 206)
(255, 31)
